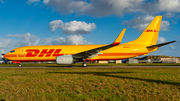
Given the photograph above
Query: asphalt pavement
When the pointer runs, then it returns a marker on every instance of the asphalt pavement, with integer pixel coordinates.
(99, 67)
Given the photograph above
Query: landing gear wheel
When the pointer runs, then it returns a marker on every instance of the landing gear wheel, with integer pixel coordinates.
(84, 64)
(20, 65)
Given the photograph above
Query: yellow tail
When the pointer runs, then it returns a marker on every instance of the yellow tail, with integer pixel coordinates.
(150, 34)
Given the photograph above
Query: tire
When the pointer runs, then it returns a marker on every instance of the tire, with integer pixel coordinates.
(20, 65)
(84, 64)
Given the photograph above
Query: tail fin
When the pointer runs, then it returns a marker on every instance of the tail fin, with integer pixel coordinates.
(150, 34)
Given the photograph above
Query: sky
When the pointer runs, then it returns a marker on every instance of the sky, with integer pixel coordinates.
(61, 22)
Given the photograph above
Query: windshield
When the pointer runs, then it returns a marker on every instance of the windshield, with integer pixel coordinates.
(12, 51)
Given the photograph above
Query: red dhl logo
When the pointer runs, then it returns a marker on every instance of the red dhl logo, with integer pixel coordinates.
(151, 30)
(43, 53)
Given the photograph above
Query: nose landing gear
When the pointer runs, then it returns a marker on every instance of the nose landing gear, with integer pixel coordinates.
(20, 65)
(17, 62)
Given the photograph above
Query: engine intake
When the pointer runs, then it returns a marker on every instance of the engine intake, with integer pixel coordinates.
(65, 59)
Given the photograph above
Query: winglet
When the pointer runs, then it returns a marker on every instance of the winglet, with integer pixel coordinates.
(119, 38)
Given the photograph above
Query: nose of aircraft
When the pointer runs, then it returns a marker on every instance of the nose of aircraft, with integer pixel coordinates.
(6, 55)
(9, 55)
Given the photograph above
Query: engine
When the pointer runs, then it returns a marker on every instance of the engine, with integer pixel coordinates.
(65, 59)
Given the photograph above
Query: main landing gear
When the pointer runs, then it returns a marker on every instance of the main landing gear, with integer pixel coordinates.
(17, 62)
(84, 64)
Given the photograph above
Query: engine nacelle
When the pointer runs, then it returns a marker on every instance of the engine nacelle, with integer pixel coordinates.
(65, 59)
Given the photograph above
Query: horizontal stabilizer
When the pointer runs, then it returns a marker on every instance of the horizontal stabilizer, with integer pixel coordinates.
(162, 44)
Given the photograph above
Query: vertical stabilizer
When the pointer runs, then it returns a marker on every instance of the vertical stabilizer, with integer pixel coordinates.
(150, 34)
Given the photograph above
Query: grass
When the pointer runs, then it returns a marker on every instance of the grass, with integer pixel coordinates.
(106, 84)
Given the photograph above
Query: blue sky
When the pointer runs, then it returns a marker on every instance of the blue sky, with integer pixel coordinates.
(56, 22)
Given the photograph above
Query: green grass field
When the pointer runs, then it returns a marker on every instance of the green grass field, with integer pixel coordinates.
(106, 84)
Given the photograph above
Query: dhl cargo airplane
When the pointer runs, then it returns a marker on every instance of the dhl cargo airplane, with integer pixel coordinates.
(69, 54)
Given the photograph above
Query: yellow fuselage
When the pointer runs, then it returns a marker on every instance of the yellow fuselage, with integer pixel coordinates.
(50, 52)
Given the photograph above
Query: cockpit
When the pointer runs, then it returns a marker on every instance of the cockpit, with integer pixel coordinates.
(12, 51)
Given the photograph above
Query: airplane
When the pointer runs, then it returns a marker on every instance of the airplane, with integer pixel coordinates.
(69, 54)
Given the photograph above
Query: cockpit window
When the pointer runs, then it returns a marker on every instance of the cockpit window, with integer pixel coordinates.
(12, 51)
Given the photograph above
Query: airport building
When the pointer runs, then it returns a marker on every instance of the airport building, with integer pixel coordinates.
(159, 59)
(110, 61)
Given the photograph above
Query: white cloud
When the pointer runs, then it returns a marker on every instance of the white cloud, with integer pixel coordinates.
(156, 6)
(140, 23)
(93, 7)
(161, 40)
(140, 27)
(67, 6)
(46, 1)
(169, 15)
(169, 5)
(32, 1)
(53, 25)
(46, 41)
(20, 40)
(174, 22)
(1, 1)
(113, 7)
(25, 39)
(70, 40)
(73, 27)
(164, 25)
(172, 47)
(5, 43)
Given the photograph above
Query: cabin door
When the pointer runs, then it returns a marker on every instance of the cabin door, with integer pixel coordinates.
(22, 52)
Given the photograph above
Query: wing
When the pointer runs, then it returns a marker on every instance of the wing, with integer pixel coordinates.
(93, 52)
